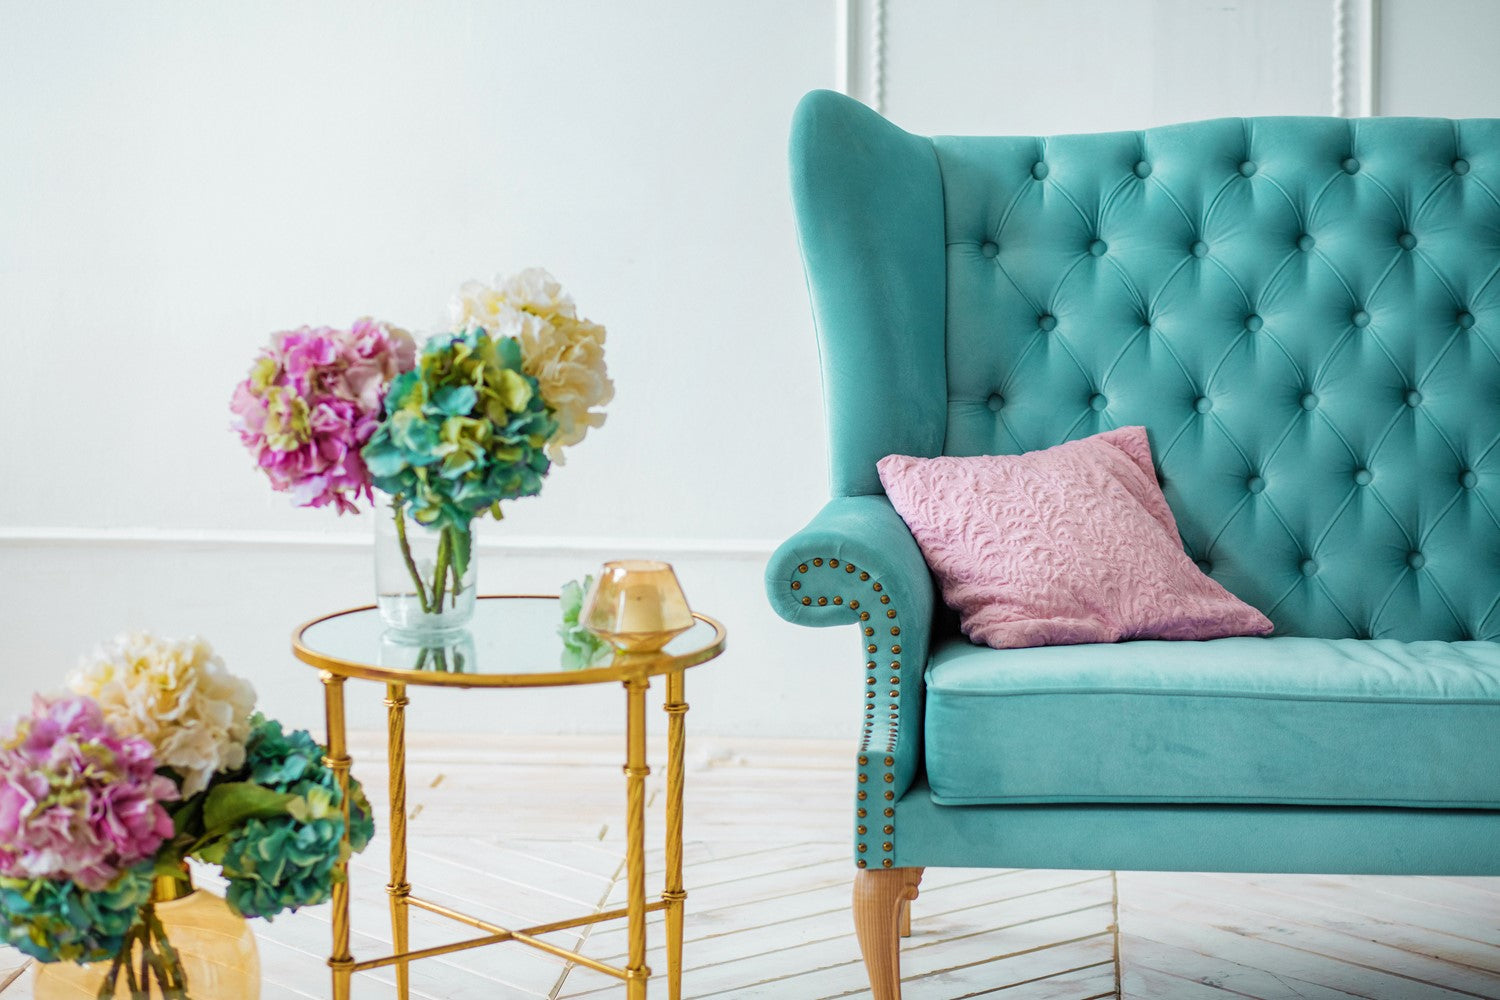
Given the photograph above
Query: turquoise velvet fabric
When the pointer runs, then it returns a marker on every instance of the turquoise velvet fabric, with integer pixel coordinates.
(1280, 720)
(1212, 838)
(1303, 313)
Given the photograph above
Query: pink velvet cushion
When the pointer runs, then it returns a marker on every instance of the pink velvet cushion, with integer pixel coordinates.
(1068, 545)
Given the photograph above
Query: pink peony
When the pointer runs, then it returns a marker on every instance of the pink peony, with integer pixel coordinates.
(311, 402)
(76, 800)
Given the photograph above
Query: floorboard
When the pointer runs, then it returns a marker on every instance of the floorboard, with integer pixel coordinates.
(520, 832)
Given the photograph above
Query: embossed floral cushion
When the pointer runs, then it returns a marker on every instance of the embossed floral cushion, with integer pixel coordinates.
(1067, 545)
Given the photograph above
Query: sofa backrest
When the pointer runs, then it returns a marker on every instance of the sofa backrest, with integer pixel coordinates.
(1304, 313)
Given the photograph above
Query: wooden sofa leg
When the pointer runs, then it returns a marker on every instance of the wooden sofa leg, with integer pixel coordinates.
(881, 895)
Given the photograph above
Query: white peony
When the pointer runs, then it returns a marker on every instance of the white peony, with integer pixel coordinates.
(563, 353)
(176, 694)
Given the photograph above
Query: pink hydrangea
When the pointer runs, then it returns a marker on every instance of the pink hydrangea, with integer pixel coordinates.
(76, 800)
(312, 400)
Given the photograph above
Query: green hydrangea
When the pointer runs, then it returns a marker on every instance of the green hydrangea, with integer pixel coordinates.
(56, 921)
(284, 862)
(463, 431)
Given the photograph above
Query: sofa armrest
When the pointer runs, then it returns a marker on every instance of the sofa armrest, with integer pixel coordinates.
(856, 563)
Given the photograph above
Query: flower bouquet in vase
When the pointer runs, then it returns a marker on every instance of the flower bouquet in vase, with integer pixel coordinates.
(155, 756)
(476, 418)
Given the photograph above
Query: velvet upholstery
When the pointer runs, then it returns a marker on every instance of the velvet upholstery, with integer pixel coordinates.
(1304, 314)
(1285, 720)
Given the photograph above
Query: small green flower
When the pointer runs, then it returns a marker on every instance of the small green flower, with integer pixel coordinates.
(581, 648)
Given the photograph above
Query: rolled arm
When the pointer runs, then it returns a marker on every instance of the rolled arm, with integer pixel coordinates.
(856, 563)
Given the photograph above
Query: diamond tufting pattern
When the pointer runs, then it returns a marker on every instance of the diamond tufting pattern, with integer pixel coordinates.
(1305, 314)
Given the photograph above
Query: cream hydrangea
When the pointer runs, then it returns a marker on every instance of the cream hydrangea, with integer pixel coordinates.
(563, 353)
(176, 694)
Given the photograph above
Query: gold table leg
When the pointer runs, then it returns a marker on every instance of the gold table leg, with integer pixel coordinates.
(636, 972)
(674, 895)
(341, 962)
(398, 887)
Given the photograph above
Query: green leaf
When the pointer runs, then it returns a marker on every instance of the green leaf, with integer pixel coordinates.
(462, 541)
(455, 400)
(231, 804)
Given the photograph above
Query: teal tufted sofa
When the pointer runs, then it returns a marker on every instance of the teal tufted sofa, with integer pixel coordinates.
(1305, 314)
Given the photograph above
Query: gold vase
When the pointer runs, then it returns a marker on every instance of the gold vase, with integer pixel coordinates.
(214, 943)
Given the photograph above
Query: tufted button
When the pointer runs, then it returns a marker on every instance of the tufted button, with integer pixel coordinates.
(1460, 166)
(1468, 479)
(1039, 170)
(1098, 247)
(1097, 401)
(1203, 404)
(1199, 249)
(1413, 398)
(1416, 560)
(1247, 169)
(1465, 320)
(1308, 567)
(1254, 323)
(1360, 319)
(1047, 322)
(1204, 565)
(1309, 401)
(1407, 241)
(996, 401)
(1305, 242)
(1255, 484)
(989, 248)
(1363, 477)
(1143, 169)
(1351, 165)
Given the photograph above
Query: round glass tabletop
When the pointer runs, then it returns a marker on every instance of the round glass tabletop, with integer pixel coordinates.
(512, 641)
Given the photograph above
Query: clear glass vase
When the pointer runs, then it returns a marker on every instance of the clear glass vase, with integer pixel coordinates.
(424, 576)
(215, 952)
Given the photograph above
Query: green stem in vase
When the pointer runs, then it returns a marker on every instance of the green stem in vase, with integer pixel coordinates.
(398, 507)
(174, 983)
(440, 574)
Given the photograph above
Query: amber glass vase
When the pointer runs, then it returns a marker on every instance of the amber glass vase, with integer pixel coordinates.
(213, 944)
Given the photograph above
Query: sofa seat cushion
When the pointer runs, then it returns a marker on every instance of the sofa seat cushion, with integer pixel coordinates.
(1279, 720)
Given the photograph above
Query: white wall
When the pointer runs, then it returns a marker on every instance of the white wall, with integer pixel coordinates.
(179, 179)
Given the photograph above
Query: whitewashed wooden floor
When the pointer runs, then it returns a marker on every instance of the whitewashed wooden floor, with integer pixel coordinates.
(522, 832)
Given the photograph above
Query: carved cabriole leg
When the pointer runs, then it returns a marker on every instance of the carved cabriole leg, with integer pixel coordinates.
(906, 918)
(880, 896)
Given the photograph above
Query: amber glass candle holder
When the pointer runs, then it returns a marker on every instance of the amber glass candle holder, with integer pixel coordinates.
(636, 605)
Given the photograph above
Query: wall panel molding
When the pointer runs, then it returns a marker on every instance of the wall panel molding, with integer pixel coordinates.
(859, 59)
(17, 537)
(1356, 58)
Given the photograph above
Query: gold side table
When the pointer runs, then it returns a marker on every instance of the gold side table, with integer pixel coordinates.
(511, 643)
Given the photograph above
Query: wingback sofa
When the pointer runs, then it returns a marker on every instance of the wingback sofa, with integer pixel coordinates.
(1305, 315)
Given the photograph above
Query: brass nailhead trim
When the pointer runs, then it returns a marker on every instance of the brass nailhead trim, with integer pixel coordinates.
(886, 862)
(891, 613)
(869, 680)
(875, 586)
(802, 568)
(864, 616)
(861, 795)
(895, 694)
(860, 813)
(838, 600)
(863, 760)
(860, 830)
(895, 629)
(895, 680)
(833, 564)
(890, 796)
(817, 562)
(889, 829)
(869, 649)
(866, 576)
(890, 762)
(861, 862)
(869, 631)
(806, 601)
(896, 649)
(854, 605)
(889, 778)
(885, 598)
(890, 812)
(869, 664)
(863, 848)
(886, 846)
(823, 601)
(796, 584)
(863, 778)
(848, 567)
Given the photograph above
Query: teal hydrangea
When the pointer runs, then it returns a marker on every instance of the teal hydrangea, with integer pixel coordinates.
(56, 921)
(285, 862)
(463, 431)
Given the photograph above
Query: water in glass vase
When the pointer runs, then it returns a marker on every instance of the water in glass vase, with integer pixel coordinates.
(424, 574)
